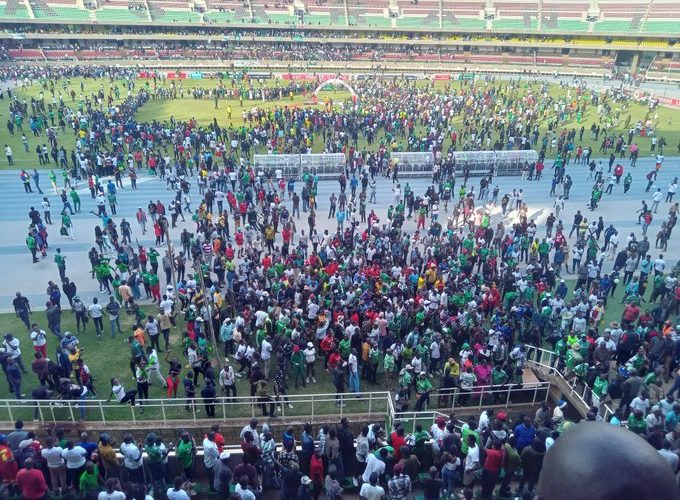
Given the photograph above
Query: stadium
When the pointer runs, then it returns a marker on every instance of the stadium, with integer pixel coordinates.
(592, 37)
(351, 221)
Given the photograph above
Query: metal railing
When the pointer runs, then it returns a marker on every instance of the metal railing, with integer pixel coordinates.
(482, 397)
(307, 406)
(580, 393)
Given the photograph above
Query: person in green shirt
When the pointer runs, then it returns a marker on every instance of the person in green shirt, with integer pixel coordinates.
(600, 385)
(75, 197)
(637, 422)
(153, 259)
(499, 376)
(185, 451)
(60, 261)
(389, 367)
(420, 438)
(406, 379)
(90, 481)
(53, 180)
(468, 430)
(155, 287)
(32, 247)
(423, 388)
(297, 361)
(345, 347)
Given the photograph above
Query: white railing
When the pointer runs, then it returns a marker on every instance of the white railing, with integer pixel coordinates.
(579, 393)
(307, 406)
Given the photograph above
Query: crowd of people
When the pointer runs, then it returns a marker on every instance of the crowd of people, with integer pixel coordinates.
(478, 457)
(429, 313)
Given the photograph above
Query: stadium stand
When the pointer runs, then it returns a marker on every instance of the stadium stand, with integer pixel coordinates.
(516, 16)
(618, 16)
(460, 15)
(122, 10)
(14, 9)
(564, 16)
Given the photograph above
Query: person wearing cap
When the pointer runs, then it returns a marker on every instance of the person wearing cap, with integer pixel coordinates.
(310, 362)
(406, 379)
(222, 475)
(306, 488)
(399, 486)
(423, 388)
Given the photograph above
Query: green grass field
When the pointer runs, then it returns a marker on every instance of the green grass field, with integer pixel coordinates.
(203, 111)
(109, 358)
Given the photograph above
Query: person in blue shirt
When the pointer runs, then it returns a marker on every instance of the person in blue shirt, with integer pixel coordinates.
(524, 434)
(672, 417)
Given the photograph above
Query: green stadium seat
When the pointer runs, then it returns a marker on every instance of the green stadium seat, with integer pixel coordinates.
(662, 27)
(223, 17)
(279, 19)
(514, 24)
(319, 20)
(379, 21)
(176, 16)
(21, 13)
(110, 14)
(613, 26)
(568, 25)
(65, 13)
(464, 22)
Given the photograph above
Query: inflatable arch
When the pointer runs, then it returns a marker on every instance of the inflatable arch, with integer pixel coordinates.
(336, 81)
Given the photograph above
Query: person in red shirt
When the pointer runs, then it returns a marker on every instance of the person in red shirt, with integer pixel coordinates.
(31, 481)
(8, 465)
(327, 345)
(492, 468)
(398, 440)
(630, 314)
(316, 472)
(219, 438)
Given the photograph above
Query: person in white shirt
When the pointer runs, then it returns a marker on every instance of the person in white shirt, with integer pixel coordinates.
(210, 454)
(353, 364)
(177, 492)
(96, 315)
(266, 354)
(655, 419)
(55, 464)
(113, 490)
(659, 265)
(132, 459)
(227, 380)
(153, 367)
(371, 490)
(39, 340)
(310, 360)
(641, 403)
(471, 461)
(75, 462)
(374, 465)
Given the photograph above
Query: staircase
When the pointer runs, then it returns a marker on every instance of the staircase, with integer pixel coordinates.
(28, 6)
(643, 21)
(149, 17)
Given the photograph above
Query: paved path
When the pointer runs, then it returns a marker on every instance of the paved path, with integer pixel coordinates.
(31, 279)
